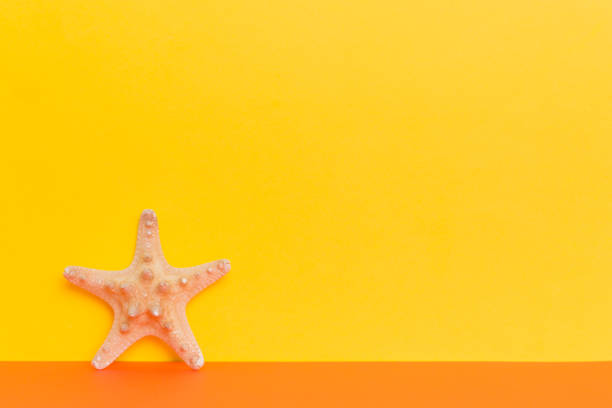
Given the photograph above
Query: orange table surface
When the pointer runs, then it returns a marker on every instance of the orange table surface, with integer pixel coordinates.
(393, 384)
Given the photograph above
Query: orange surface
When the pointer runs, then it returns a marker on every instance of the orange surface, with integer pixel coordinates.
(307, 385)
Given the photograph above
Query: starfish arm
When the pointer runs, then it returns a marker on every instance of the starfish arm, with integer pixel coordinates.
(148, 245)
(180, 337)
(195, 279)
(120, 337)
(96, 281)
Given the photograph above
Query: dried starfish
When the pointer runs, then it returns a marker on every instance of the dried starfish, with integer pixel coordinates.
(148, 297)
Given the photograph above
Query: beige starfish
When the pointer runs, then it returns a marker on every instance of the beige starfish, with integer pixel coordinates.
(148, 297)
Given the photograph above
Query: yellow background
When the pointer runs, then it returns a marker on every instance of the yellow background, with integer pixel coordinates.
(392, 180)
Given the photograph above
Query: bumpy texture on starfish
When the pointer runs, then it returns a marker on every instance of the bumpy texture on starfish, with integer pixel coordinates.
(148, 297)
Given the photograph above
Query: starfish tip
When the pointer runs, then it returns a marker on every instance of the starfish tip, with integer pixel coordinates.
(98, 365)
(148, 211)
(197, 362)
(68, 272)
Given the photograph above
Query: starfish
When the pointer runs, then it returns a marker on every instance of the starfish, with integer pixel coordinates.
(148, 297)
